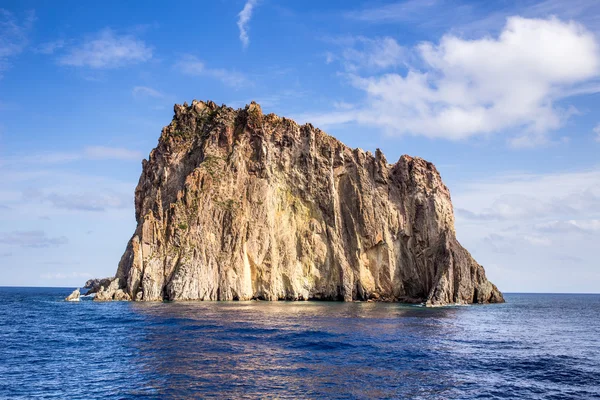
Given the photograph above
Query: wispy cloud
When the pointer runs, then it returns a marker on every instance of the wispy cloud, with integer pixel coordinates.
(44, 192)
(531, 197)
(597, 132)
(13, 36)
(468, 19)
(50, 47)
(90, 201)
(394, 12)
(107, 49)
(465, 88)
(570, 226)
(32, 239)
(359, 52)
(87, 153)
(64, 276)
(271, 100)
(145, 91)
(244, 19)
(111, 153)
(191, 65)
(508, 244)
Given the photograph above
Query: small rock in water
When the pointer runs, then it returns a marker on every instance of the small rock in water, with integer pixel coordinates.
(73, 296)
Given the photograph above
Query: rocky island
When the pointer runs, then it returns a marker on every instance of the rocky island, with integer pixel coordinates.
(238, 205)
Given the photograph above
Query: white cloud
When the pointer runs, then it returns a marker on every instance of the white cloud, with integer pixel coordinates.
(43, 194)
(520, 197)
(570, 226)
(13, 36)
(33, 239)
(342, 105)
(597, 132)
(243, 20)
(191, 65)
(537, 240)
(529, 229)
(511, 243)
(50, 207)
(50, 47)
(144, 91)
(329, 58)
(370, 54)
(88, 201)
(466, 88)
(107, 50)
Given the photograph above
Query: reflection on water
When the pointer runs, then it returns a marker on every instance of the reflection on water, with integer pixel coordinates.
(535, 346)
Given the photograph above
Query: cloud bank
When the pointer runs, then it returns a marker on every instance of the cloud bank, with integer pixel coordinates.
(527, 229)
(463, 88)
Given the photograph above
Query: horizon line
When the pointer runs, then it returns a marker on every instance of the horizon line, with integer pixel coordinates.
(79, 287)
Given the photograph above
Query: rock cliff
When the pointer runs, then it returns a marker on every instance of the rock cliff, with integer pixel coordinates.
(238, 205)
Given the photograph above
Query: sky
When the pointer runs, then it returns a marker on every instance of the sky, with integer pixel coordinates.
(501, 96)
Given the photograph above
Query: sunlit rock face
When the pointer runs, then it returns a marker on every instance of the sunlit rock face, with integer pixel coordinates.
(237, 205)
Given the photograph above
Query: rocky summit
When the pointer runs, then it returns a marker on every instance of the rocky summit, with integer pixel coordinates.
(238, 205)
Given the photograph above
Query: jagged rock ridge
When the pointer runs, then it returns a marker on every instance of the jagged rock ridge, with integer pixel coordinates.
(237, 205)
(94, 285)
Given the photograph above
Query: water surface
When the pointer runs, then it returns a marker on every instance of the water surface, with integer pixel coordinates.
(535, 346)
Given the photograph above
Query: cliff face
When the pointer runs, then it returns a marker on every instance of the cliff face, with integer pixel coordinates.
(237, 205)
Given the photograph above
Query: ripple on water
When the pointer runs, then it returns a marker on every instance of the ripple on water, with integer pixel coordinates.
(54, 349)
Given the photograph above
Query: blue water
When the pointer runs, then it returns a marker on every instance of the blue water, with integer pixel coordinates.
(535, 346)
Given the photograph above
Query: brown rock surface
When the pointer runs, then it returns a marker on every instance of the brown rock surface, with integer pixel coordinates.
(236, 205)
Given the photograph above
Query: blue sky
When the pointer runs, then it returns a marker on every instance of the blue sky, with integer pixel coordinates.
(501, 96)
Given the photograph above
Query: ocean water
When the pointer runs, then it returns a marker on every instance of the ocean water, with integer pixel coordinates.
(536, 346)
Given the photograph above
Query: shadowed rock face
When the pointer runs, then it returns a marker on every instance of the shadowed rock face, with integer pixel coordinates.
(236, 205)
(94, 285)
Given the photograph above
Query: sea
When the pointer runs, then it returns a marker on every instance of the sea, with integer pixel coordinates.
(535, 346)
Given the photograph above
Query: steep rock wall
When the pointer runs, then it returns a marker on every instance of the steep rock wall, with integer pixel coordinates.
(237, 205)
